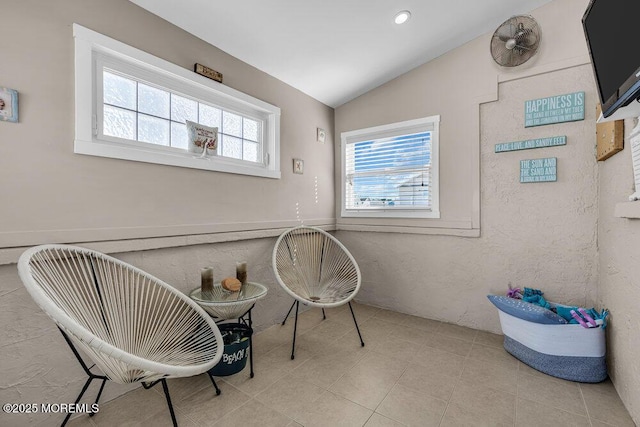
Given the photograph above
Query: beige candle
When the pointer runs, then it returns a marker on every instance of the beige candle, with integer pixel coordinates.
(207, 280)
(241, 272)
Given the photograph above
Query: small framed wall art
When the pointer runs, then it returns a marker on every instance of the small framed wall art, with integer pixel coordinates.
(298, 166)
(321, 134)
(8, 105)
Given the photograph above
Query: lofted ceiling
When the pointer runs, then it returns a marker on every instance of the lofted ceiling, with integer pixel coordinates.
(336, 50)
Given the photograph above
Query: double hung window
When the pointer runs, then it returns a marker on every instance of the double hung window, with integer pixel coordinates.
(392, 170)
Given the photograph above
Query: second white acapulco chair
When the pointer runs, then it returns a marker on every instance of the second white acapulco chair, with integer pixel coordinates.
(317, 270)
(134, 327)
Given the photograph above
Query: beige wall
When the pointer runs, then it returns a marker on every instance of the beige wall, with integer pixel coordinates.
(50, 194)
(561, 237)
(453, 86)
(536, 235)
(539, 235)
(619, 290)
(60, 196)
(543, 235)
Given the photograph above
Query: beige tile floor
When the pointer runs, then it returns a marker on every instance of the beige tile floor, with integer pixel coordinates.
(412, 371)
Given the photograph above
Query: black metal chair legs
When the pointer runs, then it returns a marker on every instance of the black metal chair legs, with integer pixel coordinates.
(90, 374)
(296, 303)
(356, 323)
(104, 379)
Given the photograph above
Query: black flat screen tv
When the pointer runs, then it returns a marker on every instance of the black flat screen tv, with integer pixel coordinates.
(611, 28)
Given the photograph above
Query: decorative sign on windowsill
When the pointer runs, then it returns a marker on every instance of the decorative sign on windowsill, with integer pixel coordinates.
(531, 143)
(554, 109)
(538, 170)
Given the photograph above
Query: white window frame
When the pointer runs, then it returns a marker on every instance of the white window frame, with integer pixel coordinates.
(431, 124)
(94, 50)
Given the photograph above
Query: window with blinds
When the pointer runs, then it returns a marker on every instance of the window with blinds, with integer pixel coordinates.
(391, 171)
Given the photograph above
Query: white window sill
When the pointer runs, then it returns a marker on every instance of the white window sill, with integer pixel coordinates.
(389, 213)
(629, 210)
(438, 231)
(105, 149)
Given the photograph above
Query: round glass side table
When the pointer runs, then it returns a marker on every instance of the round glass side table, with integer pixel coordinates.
(225, 305)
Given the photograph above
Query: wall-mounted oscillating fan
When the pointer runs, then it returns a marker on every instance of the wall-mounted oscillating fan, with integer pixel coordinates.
(515, 41)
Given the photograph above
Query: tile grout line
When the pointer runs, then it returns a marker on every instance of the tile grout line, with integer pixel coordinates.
(355, 403)
(370, 416)
(348, 369)
(458, 381)
(532, 399)
(368, 351)
(262, 403)
(515, 409)
(230, 412)
(585, 405)
(390, 389)
(521, 372)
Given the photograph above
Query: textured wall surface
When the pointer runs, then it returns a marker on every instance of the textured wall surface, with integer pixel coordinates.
(562, 237)
(540, 235)
(619, 290)
(37, 366)
(543, 235)
(46, 187)
(93, 197)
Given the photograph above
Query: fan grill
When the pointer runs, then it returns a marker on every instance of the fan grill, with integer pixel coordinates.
(515, 41)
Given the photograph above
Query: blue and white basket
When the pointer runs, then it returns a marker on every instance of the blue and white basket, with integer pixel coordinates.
(567, 351)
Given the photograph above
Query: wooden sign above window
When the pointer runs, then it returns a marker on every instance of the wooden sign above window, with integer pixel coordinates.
(207, 72)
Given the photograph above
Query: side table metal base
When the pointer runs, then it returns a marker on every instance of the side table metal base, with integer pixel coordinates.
(246, 320)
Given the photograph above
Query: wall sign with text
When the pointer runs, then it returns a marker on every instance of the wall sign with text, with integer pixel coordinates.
(531, 143)
(539, 170)
(554, 109)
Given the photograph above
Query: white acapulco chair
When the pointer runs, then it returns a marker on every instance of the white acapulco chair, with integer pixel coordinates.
(317, 270)
(133, 326)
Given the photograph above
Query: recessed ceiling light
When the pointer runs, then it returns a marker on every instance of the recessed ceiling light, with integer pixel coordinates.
(402, 17)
